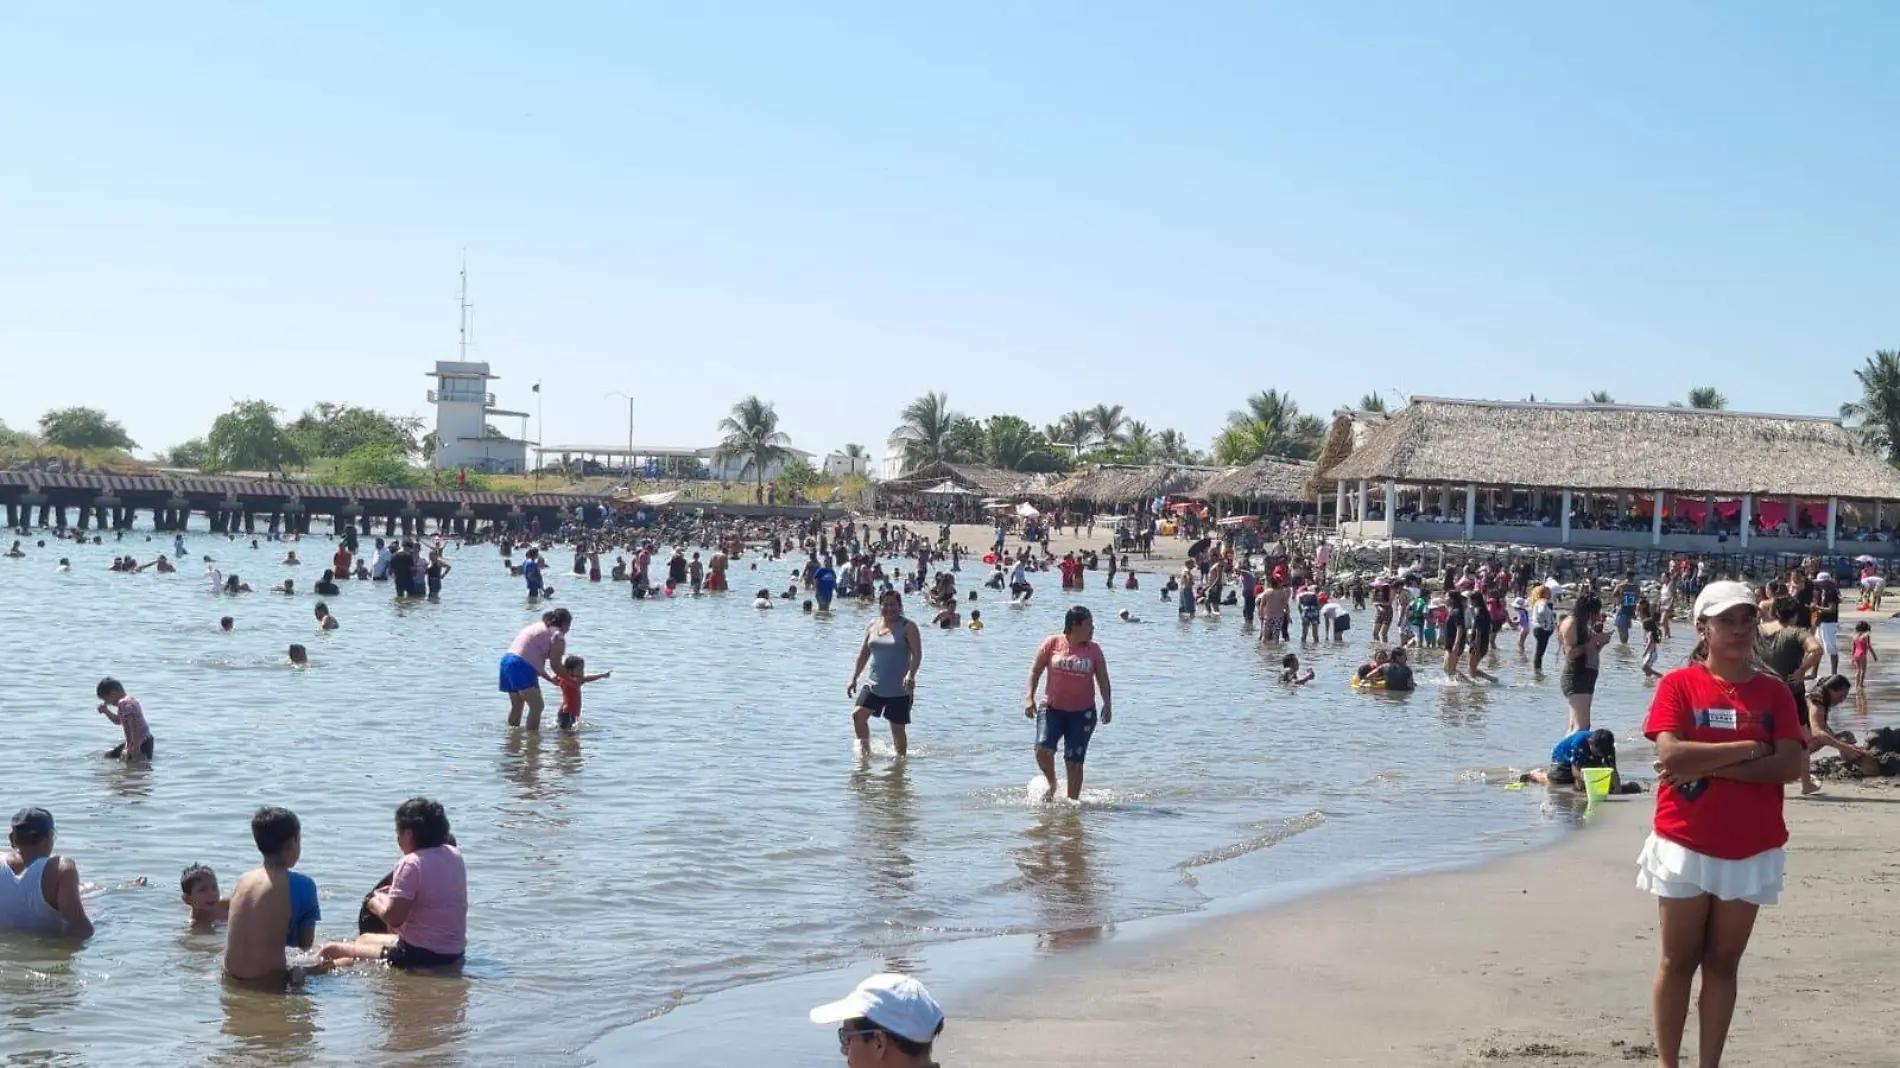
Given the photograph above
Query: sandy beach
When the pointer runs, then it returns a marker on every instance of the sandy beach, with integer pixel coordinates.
(1543, 958)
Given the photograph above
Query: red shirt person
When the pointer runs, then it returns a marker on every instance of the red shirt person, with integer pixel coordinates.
(1728, 739)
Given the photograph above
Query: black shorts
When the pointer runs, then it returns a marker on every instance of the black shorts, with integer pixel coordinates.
(117, 752)
(895, 709)
(1576, 680)
(1561, 775)
(1480, 642)
(566, 720)
(404, 955)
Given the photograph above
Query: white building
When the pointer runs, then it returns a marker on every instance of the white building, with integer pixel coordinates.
(463, 408)
(838, 465)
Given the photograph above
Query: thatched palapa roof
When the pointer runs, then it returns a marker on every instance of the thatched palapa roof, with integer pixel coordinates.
(1268, 479)
(1132, 483)
(984, 479)
(1618, 447)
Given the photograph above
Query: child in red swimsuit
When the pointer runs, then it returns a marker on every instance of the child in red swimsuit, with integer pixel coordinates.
(573, 675)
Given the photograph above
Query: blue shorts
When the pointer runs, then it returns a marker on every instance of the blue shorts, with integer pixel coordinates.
(1070, 729)
(1624, 616)
(518, 675)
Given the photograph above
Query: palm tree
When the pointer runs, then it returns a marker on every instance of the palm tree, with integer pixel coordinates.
(751, 432)
(924, 435)
(1372, 402)
(855, 451)
(1876, 416)
(1708, 398)
(1270, 425)
(1013, 445)
(1171, 445)
(1140, 444)
(1599, 397)
(1108, 424)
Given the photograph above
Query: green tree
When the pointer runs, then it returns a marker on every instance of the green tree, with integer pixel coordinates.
(193, 453)
(249, 438)
(855, 451)
(1270, 425)
(328, 429)
(751, 433)
(10, 438)
(799, 474)
(1107, 424)
(966, 440)
(1075, 431)
(1876, 415)
(1599, 397)
(83, 428)
(378, 465)
(1371, 402)
(1009, 442)
(1171, 447)
(1140, 447)
(1708, 398)
(923, 435)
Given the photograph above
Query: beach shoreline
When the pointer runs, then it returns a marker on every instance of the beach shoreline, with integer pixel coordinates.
(1542, 957)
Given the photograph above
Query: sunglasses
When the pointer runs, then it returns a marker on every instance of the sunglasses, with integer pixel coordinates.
(846, 1034)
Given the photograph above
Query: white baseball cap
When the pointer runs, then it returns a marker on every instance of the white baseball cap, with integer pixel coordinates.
(897, 1003)
(1719, 597)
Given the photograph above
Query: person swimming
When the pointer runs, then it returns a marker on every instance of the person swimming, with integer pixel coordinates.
(298, 656)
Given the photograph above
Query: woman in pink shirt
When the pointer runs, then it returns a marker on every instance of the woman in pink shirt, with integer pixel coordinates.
(1075, 666)
(424, 908)
(528, 661)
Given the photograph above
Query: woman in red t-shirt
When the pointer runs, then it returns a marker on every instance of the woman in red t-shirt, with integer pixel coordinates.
(1728, 738)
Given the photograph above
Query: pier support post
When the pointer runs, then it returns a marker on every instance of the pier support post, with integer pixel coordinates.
(13, 516)
(85, 519)
(1833, 516)
(272, 528)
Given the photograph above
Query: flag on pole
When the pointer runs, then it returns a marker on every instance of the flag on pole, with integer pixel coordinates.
(537, 387)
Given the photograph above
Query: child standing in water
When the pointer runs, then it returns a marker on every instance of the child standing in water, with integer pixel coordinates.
(1652, 637)
(1863, 649)
(572, 677)
(125, 712)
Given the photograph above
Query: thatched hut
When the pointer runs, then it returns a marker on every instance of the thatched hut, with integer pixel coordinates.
(1270, 480)
(1604, 474)
(1132, 485)
(981, 479)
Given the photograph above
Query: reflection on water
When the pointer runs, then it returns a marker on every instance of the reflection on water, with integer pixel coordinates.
(708, 824)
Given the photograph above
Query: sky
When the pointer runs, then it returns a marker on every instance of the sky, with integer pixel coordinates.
(1033, 207)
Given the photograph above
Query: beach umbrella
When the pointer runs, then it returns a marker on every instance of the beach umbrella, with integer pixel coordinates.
(947, 488)
(1027, 510)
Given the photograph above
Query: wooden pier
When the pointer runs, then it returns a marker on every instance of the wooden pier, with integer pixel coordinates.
(236, 505)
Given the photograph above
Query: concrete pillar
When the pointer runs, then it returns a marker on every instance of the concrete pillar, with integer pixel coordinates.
(85, 518)
(60, 513)
(1391, 508)
(13, 516)
(1655, 518)
(272, 528)
(1359, 511)
(1748, 516)
(1444, 500)
(389, 527)
(1471, 511)
(1833, 513)
(1339, 503)
(1565, 525)
(1794, 515)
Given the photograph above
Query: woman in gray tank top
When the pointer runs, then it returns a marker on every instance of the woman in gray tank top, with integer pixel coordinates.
(893, 649)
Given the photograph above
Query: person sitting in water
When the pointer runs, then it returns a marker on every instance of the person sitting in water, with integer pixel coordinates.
(64, 565)
(976, 616)
(326, 585)
(424, 909)
(16, 553)
(198, 889)
(763, 599)
(325, 621)
(573, 676)
(287, 588)
(233, 585)
(1397, 673)
(1290, 671)
(1575, 752)
(227, 624)
(298, 656)
(290, 559)
(361, 574)
(1127, 617)
(1373, 670)
(947, 617)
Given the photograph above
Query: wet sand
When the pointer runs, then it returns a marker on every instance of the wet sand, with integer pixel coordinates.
(1543, 958)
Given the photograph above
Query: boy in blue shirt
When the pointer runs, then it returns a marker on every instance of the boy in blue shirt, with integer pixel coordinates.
(1573, 753)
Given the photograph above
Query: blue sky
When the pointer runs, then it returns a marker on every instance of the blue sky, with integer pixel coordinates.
(1033, 206)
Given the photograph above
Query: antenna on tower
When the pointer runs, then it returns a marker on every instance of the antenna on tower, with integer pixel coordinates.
(467, 311)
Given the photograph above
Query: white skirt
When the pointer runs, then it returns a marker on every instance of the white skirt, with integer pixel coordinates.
(1669, 869)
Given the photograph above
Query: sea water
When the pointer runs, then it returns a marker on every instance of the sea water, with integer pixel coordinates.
(709, 826)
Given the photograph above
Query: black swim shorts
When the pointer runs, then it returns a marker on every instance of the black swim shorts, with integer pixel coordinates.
(404, 955)
(895, 709)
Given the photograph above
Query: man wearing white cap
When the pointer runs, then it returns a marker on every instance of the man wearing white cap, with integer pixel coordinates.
(1827, 619)
(889, 1021)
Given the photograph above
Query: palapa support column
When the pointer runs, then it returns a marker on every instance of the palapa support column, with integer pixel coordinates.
(1391, 508)
(1655, 518)
(1748, 516)
(1359, 513)
(1565, 525)
(1833, 515)
(1339, 503)
(1471, 510)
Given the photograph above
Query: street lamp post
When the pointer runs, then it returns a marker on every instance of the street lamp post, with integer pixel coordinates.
(629, 396)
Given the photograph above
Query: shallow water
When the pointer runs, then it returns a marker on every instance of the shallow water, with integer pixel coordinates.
(709, 826)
